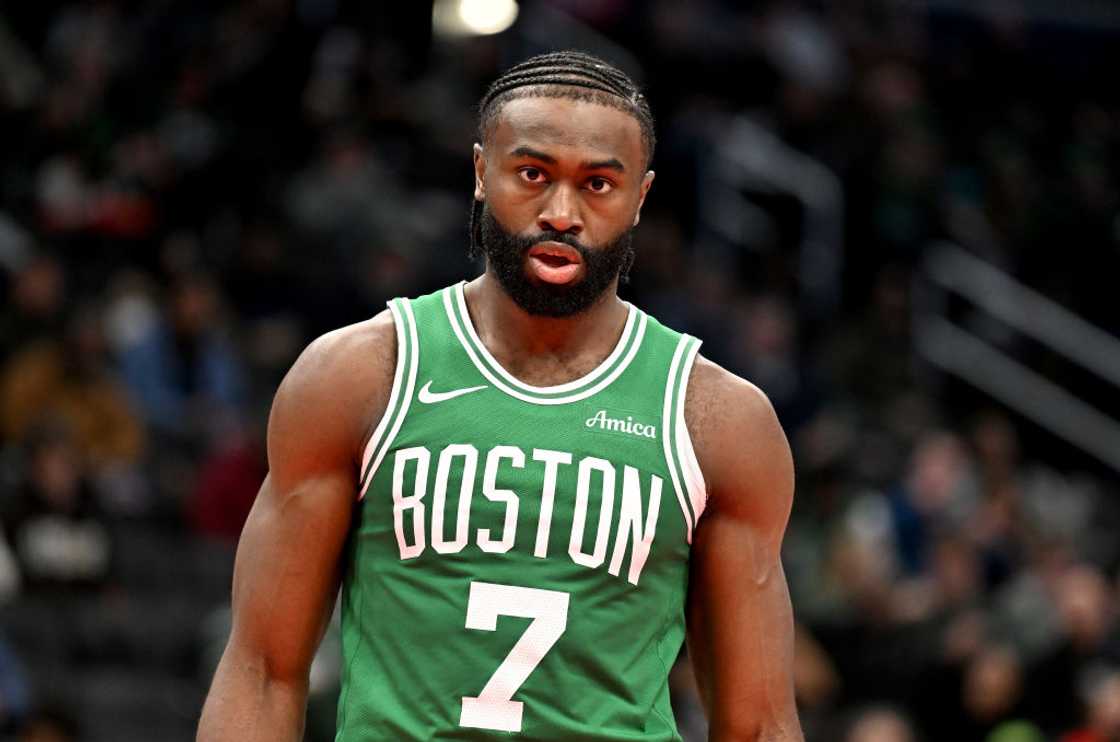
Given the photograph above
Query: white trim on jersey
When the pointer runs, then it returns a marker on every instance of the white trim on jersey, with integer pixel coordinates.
(492, 362)
(386, 416)
(694, 478)
(389, 419)
(501, 384)
(667, 418)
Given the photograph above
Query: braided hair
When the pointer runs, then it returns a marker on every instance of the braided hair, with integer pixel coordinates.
(566, 74)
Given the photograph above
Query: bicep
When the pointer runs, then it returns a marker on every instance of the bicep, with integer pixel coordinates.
(287, 571)
(740, 625)
(740, 622)
(288, 560)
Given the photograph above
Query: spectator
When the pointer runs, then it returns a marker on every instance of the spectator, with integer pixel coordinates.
(227, 485)
(53, 522)
(880, 724)
(14, 691)
(35, 304)
(181, 368)
(69, 380)
(1102, 702)
(1086, 638)
(991, 692)
(49, 725)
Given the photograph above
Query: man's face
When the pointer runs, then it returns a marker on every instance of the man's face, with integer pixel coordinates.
(562, 183)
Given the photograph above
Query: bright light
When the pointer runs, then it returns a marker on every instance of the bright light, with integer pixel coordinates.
(473, 17)
(486, 17)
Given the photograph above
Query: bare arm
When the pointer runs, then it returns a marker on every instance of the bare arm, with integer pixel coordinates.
(740, 622)
(287, 569)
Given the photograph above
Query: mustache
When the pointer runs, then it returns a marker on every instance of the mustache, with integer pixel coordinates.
(548, 235)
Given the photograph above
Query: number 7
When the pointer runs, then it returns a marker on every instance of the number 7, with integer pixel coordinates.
(492, 708)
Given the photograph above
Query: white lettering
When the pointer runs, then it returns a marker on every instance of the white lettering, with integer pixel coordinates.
(630, 523)
(633, 535)
(413, 502)
(552, 461)
(466, 487)
(489, 488)
(606, 509)
(602, 421)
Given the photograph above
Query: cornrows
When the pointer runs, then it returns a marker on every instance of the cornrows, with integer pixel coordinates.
(564, 68)
(566, 74)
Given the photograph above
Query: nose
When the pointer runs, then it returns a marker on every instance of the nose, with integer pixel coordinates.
(561, 211)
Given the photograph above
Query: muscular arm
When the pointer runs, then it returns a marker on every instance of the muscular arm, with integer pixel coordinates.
(740, 623)
(287, 569)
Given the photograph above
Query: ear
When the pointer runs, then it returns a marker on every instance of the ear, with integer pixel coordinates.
(647, 181)
(479, 173)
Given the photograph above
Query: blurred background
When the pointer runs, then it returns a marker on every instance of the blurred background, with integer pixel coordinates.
(900, 218)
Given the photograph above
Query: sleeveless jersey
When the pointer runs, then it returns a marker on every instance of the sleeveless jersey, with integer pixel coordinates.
(519, 561)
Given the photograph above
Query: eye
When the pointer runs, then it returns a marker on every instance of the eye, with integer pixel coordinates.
(599, 185)
(531, 175)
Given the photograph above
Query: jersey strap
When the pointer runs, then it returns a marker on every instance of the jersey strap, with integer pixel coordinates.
(684, 469)
(404, 383)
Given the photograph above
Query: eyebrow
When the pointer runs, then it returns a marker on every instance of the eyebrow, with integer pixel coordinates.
(536, 154)
(611, 163)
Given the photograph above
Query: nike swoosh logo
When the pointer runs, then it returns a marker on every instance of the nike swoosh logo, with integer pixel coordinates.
(427, 396)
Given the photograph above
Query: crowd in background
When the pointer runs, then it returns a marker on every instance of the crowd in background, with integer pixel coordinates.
(191, 191)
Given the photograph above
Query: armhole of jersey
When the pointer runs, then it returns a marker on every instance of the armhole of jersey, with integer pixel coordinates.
(686, 454)
(672, 420)
(404, 381)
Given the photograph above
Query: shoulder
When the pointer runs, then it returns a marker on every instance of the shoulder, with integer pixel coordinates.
(740, 445)
(368, 345)
(337, 389)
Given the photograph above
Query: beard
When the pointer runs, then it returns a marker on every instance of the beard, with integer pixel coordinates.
(505, 256)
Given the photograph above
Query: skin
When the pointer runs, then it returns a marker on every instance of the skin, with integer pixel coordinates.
(286, 574)
(739, 617)
(592, 182)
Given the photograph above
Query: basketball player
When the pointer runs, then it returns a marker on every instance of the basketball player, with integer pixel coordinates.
(527, 488)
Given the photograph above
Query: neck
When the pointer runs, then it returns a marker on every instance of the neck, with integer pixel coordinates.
(534, 345)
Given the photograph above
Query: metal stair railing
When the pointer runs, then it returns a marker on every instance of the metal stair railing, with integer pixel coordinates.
(966, 355)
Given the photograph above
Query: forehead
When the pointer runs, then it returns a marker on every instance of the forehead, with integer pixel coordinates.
(586, 129)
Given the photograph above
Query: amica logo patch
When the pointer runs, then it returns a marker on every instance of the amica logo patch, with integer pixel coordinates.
(603, 421)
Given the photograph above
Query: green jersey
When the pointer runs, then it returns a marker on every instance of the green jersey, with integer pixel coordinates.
(519, 562)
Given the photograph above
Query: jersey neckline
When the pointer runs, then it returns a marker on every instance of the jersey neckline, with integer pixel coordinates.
(455, 304)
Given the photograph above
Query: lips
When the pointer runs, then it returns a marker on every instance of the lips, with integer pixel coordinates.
(554, 262)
